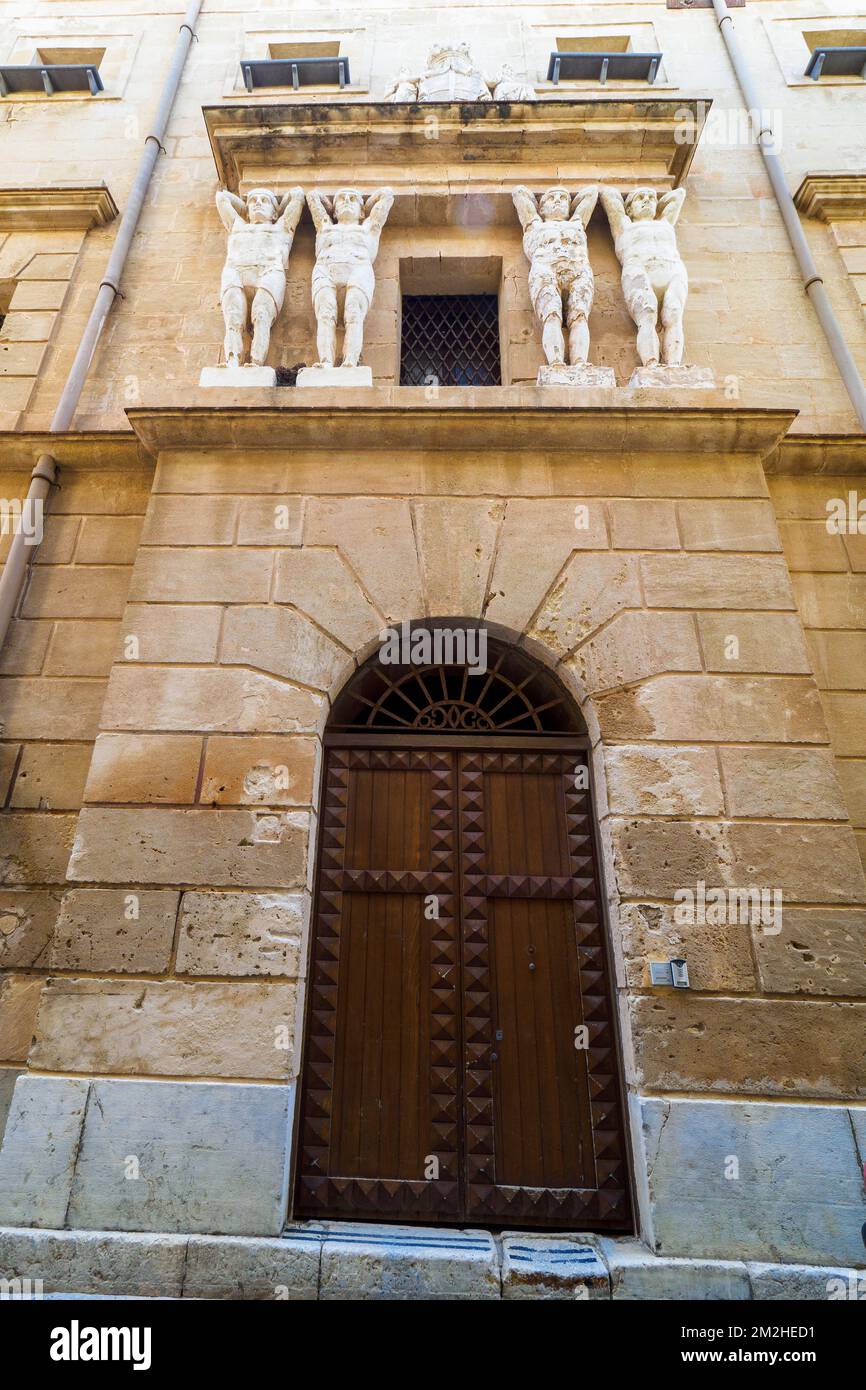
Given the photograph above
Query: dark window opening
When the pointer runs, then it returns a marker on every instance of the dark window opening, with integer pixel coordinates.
(450, 340)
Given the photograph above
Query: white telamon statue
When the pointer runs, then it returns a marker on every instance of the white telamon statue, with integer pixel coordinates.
(507, 87)
(261, 229)
(403, 88)
(554, 239)
(451, 75)
(348, 229)
(654, 279)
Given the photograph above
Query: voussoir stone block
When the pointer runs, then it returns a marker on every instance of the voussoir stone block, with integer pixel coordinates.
(211, 1158)
(319, 583)
(283, 643)
(231, 1267)
(40, 1147)
(635, 645)
(455, 576)
(401, 1262)
(376, 537)
(166, 1027)
(524, 571)
(794, 1194)
(212, 847)
(593, 588)
(242, 933)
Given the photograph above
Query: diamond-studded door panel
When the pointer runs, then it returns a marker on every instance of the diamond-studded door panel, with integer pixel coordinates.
(379, 1125)
(544, 1137)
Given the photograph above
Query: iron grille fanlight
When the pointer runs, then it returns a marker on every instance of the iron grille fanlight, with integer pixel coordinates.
(514, 696)
(450, 340)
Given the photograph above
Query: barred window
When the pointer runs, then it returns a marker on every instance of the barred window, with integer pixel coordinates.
(450, 339)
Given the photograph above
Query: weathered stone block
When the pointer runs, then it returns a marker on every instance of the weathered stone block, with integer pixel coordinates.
(115, 930)
(178, 521)
(201, 576)
(752, 1046)
(51, 776)
(723, 709)
(284, 643)
(804, 1282)
(82, 648)
(643, 524)
(647, 779)
(719, 958)
(169, 632)
(798, 1195)
(809, 546)
(242, 933)
(819, 951)
(455, 576)
(838, 658)
(846, 720)
(170, 1028)
(831, 600)
(375, 535)
(785, 783)
(319, 584)
(35, 847)
(39, 1150)
(524, 572)
(70, 709)
(19, 1004)
(225, 701)
(266, 521)
(593, 588)
(765, 642)
(403, 1262)
(637, 1273)
(8, 1077)
(552, 1266)
(61, 591)
(273, 771)
(108, 540)
(635, 645)
(96, 1262)
(716, 581)
(27, 918)
(231, 1267)
(212, 1158)
(735, 525)
(144, 767)
(215, 848)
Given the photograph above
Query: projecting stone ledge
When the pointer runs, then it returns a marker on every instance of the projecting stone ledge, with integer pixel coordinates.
(334, 376)
(238, 378)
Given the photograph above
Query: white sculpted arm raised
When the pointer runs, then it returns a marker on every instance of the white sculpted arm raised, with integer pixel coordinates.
(526, 204)
(671, 205)
(289, 209)
(377, 207)
(231, 209)
(614, 206)
(583, 205)
(319, 211)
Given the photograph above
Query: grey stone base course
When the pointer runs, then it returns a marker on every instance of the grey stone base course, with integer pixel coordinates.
(367, 1262)
(798, 1196)
(211, 1156)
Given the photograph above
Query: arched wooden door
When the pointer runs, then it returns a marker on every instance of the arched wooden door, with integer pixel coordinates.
(461, 1061)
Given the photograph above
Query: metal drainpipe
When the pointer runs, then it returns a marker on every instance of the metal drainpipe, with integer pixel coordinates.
(45, 472)
(812, 281)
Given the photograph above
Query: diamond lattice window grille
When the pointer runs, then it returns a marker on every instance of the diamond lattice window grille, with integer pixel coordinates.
(450, 340)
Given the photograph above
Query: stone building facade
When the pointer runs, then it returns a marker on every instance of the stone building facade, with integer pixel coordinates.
(219, 563)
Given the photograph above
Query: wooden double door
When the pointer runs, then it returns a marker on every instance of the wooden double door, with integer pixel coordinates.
(460, 1056)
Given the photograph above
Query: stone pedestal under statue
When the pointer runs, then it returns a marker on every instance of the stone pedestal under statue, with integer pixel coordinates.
(239, 378)
(576, 374)
(662, 377)
(334, 376)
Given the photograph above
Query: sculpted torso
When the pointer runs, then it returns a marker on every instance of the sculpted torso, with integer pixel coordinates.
(557, 244)
(649, 248)
(340, 244)
(258, 246)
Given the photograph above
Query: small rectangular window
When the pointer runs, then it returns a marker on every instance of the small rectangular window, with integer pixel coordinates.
(450, 340)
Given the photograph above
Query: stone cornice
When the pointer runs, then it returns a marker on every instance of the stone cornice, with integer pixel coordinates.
(819, 453)
(527, 420)
(80, 449)
(618, 139)
(55, 209)
(832, 197)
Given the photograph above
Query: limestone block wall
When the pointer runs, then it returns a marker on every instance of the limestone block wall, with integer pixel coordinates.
(178, 961)
(828, 571)
(53, 674)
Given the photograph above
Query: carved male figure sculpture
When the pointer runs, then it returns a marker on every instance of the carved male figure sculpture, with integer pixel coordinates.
(348, 229)
(261, 229)
(554, 239)
(654, 280)
(403, 88)
(507, 87)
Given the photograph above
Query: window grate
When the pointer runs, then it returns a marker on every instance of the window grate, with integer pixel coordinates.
(450, 340)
